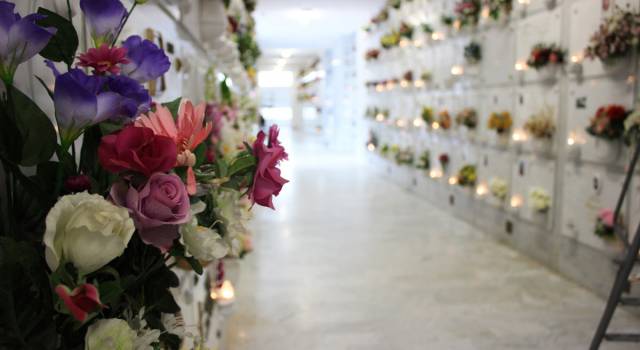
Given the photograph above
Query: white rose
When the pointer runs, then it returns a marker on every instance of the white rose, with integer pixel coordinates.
(60, 7)
(112, 334)
(203, 243)
(86, 230)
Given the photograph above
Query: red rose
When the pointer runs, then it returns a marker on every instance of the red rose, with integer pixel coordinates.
(81, 301)
(267, 181)
(137, 149)
(616, 112)
(553, 57)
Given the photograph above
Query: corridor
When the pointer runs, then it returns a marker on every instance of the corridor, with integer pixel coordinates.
(348, 261)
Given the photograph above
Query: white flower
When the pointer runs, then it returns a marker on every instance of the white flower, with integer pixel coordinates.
(540, 199)
(174, 324)
(60, 7)
(86, 230)
(202, 242)
(231, 209)
(231, 140)
(110, 334)
(498, 188)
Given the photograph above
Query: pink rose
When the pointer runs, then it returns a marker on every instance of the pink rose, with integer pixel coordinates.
(606, 216)
(267, 181)
(81, 301)
(158, 208)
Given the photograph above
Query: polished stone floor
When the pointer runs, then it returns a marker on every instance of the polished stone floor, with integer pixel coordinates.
(349, 261)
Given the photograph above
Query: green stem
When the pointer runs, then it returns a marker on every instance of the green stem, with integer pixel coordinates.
(69, 11)
(124, 21)
(73, 155)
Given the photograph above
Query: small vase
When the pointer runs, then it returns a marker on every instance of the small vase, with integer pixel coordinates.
(542, 146)
(548, 73)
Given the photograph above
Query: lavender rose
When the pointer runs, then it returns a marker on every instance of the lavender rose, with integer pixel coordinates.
(157, 208)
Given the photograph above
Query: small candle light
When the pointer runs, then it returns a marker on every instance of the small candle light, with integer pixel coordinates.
(401, 123)
(457, 70)
(577, 58)
(418, 83)
(404, 83)
(521, 66)
(485, 12)
(516, 201)
(224, 295)
(417, 43)
(437, 36)
(523, 2)
(380, 117)
(418, 122)
(391, 85)
(435, 125)
(457, 24)
(519, 135)
(371, 147)
(404, 43)
(453, 180)
(482, 189)
(380, 87)
(435, 173)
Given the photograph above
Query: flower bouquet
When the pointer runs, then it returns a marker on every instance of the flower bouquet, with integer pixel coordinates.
(406, 31)
(424, 162)
(404, 156)
(609, 122)
(98, 208)
(468, 118)
(372, 55)
(467, 176)
(498, 188)
(473, 53)
(539, 200)
(444, 120)
(444, 162)
(499, 7)
(542, 124)
(500, 122)
(390, 40)
(468, 12)
(427, 115)
(543, 55)
(617, 37)
(605, 227)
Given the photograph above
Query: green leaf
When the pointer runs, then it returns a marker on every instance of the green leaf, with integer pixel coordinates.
(63, 45)
(225, 92)
(173, 107)
(46, 88)
(201, 154)
(223, 168)
(110, 292)
(38, 134)
(242, 163)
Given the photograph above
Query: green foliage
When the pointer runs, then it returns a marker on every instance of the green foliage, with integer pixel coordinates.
(63, 45)
(173, 107)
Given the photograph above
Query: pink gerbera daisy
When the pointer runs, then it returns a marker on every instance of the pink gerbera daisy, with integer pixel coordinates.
(104, 59)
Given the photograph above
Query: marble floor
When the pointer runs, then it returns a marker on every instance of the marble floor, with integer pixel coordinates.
(350, 261)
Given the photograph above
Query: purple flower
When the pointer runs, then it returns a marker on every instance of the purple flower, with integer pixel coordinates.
(157, 208)
(133, 98)
(81, 100)
(20, 39)
(147, 61)
(104, 18)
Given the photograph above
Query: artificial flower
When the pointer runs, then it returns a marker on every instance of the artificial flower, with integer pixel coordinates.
(20, 39)
(104, 59)
(267, 181)
(82, 301)
(187, 133)
(444, 119)
(158, 207)
(545, 54)
(467, 117)
(427, 115)
(500, 121)
(137, 149)
(77, 183)
(444, 161)
(132, 98)
(467, 176)
(404, 156)
(539, 199)
(104, 19)
(233, 213)
(111, 333)
(146, 60)
(86, 230)
(498, 188)
(617, 36)
(204, 243)
(541, 125)
(424, 162)
(605, 223)
(608, 122)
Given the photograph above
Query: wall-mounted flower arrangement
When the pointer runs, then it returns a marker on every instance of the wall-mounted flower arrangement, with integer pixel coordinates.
(473, 53)
(467, 117)
(616, 38)
(427, 28)
(498, 188)
(390, 40)
(381, 17)
(498, 8)
(468, 12)
(424, 162)
(608, 122)
(467, 176)
(444, 120)
(539, 199)
(632, 127)
(501, 122)
(426, 76)
(604, 224)
(427, 115)
(406, 31)
(404, 156)
(372, 55)
(543, 55)
(444, 161)
(541, 125)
